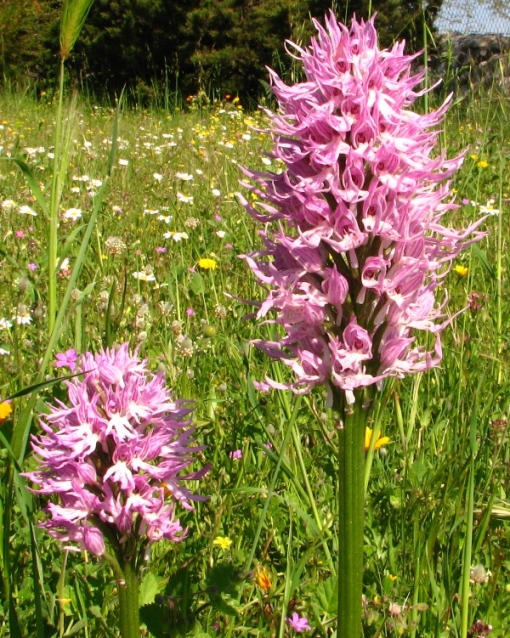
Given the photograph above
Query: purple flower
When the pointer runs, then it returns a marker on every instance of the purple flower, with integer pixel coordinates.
(32, 266)
(236, 454)
(190, 312)
(357, 247)
(115, 456)
(66, 359)
(298, 623)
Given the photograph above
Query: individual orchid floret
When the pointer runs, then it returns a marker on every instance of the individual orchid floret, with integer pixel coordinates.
(355, 239)
(115, 457)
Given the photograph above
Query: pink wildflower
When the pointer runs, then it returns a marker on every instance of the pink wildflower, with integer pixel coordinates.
(261, 386)
(115, 457)
(236, 454)
(298, 623)
(357, 247)
(66, 359)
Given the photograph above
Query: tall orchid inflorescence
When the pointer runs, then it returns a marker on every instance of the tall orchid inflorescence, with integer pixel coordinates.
(115, 457)
(359, 249)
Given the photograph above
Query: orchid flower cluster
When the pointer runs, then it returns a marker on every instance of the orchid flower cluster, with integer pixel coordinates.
(114, 458)
(359, 247)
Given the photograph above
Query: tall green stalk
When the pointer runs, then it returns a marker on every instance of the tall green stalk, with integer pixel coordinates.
(126, 573)
(74, 14)
(129, 609)
(56, 189)
(351, 501)
(468, 543)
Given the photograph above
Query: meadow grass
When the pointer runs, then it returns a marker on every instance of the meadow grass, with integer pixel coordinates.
(436, 534)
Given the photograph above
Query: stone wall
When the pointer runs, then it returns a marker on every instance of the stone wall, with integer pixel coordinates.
(464, 61)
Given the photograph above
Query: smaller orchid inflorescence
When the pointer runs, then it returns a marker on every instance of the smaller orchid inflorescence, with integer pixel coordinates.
(359, 248)
(115, 458)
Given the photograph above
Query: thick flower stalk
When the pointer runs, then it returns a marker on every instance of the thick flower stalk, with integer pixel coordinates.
(359, 247)
(355, 245)
(114, 460)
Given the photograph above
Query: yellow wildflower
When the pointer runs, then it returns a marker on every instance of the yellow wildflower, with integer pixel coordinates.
(380, 441)
(207, 264)
(5, 411)
(482, 164)
(222, 541)
(462, 271)
(263, 578)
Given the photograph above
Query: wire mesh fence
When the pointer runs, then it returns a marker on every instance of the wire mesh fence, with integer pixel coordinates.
(474, 16)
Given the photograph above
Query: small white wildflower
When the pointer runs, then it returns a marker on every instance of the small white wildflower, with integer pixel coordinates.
(489, 209)
(185, 199)
(216, 192)
(177, 237)
(186, 177)
(123, 162)
(157, 176)
(22, 316)
(73, 213)
(221, 233)
(26, 210)
(144, 276)
(266, 161)
(8, 204)
(5, 324)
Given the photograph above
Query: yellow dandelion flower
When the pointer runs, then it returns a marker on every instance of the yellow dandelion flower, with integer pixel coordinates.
(207, 264)
(5, 411)
(462, 271)
(222, 541)
(380, 441)
(482, 164)
(263, 578)
(473, 156)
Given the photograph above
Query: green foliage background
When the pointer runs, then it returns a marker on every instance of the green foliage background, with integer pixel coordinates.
(218, 46)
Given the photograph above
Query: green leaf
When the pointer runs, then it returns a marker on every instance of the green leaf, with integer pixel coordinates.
(149, 587)
(31, 181)
(197, 286)
(482, 257)
(223, 577)
(218, 602)
(326, 595)
(81, 624)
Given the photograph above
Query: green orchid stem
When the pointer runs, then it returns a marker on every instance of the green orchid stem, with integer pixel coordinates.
(129, 606)
(351, 500)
